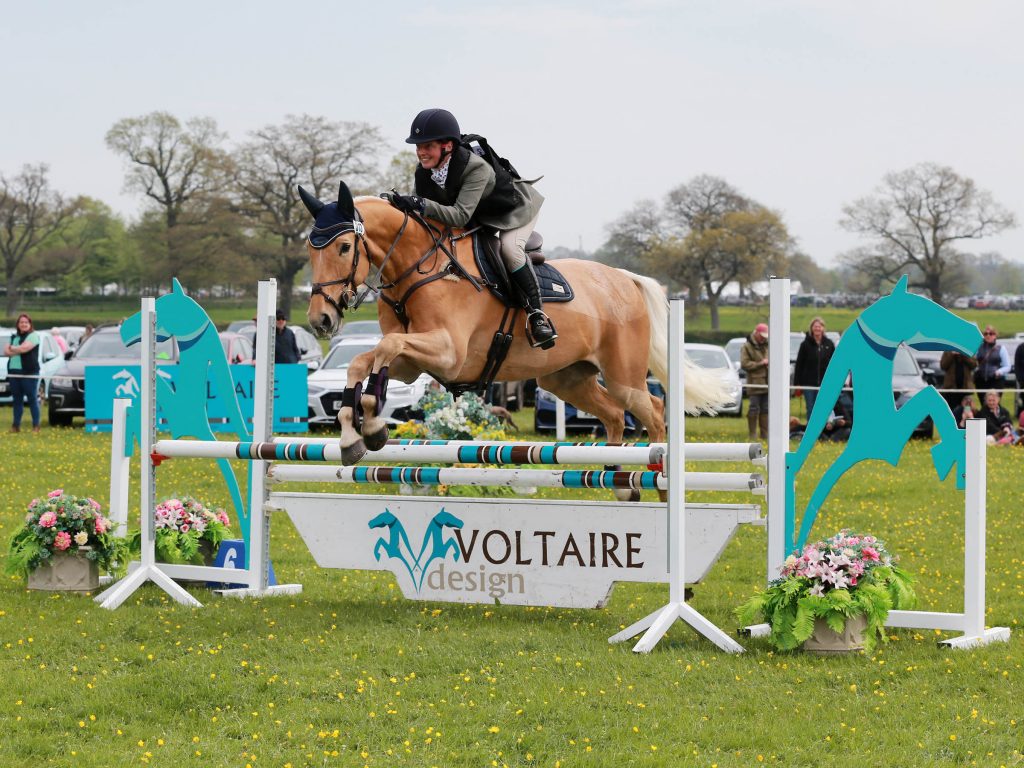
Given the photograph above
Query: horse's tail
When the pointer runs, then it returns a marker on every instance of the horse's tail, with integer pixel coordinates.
(706, 390)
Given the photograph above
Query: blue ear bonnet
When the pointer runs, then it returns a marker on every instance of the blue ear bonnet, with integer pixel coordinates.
(329, 224)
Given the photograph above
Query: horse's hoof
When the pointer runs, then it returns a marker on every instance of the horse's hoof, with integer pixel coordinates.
(351, 454)
(630, 495)
(377, 440)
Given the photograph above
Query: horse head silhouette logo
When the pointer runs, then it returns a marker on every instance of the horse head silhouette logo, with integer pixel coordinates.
(880, 430)
(183, 401)
(434, 545)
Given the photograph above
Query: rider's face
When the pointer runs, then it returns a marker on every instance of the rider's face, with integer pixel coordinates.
(430, 153)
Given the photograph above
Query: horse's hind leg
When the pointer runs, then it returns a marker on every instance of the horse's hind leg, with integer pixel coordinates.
(578, 385)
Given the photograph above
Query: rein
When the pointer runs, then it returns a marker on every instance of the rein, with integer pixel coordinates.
(348, 299)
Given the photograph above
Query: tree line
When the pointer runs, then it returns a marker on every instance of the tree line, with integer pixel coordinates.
(228, 215)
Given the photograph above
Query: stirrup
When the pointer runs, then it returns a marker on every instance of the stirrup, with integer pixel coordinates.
(540, 329)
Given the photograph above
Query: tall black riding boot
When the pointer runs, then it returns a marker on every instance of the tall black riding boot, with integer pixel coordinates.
(539, 326)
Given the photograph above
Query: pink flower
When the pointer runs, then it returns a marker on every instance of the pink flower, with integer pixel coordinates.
(48, 520)
(223, 517)
(100, 524)
(55, 494)
(95, 504)
(870, 553)
(184, 528)
(62, 541)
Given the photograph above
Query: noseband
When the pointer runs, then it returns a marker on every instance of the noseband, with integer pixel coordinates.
(320, 239)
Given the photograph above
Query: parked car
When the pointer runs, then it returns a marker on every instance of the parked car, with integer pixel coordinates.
(581, 421)
(328, 382)
(714, 358)
(237, 326)
(733, 347)
(66, 397)
(51, 360)
(929, 363)
(357, 328)
(237, 348)
(72, 334)
(310, 352)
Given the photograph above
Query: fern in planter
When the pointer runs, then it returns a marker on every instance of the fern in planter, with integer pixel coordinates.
(182, 528)
(838, 579)
(62, 523)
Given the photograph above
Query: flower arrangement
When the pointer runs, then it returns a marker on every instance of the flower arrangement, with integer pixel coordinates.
(445, 418)
(840, 578)
(62, 523)
(186, 531)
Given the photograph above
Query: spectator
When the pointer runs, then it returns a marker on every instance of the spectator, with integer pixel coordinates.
(957, 369)
(286, 350)
(964, 410)
(812, 359)
(23, 372)
(1018, 367)
(754, 360)
(993, 363)
(998, 426)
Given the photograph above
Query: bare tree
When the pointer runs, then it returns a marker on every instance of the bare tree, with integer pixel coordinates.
(179, 168)
(915, 220)
(30, 215)
(307, 150)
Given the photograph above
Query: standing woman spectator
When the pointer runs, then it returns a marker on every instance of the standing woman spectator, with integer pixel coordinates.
(812, 359)
(993, 362)
(1018, 367)
(957, 376)
(23, 372)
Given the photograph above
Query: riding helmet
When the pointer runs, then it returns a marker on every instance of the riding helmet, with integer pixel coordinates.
(433, 125)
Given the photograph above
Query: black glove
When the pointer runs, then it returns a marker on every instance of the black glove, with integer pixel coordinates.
(406, 203)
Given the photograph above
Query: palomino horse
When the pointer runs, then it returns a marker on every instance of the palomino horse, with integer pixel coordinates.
(438, 320)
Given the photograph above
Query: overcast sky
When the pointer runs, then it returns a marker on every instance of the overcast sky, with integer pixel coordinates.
(802, 105)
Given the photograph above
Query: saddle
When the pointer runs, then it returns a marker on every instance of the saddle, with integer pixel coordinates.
(553, 285)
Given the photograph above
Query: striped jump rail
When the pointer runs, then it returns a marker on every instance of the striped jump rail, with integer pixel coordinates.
(540, 478)
(453, 452)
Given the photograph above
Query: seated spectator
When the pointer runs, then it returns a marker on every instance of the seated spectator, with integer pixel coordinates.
(964, 411)
(998, 425)
(837, 427)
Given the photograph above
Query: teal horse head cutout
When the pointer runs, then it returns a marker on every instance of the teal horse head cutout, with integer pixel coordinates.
(183, 402)
(880, 430)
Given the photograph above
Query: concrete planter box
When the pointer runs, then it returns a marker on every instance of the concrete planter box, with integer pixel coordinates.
(826, 641)
(66, 572)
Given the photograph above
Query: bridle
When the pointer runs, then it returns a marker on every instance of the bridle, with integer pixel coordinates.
(320, 239)
(348, 299)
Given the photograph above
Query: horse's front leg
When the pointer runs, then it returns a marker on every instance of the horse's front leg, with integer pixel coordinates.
(952, 447)
(352, 446)
(433, 349)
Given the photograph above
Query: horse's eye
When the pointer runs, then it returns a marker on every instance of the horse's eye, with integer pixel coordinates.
(346, 247)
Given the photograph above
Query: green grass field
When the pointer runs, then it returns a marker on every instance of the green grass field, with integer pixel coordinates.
(350, 674)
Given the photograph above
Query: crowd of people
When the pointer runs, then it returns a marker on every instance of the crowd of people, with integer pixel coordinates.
(985, 372)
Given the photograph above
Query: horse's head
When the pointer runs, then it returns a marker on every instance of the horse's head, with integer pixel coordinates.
(177, 314)
(445, 519)
(918, 322)
(338, 257)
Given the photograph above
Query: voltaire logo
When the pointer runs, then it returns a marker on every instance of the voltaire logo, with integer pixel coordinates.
(433, 547)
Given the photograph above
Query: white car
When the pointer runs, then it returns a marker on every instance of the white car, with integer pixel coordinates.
(715, 358)
(327, 384)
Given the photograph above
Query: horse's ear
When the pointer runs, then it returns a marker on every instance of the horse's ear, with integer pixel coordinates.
(346, 205)
(176, 286)
(313, 205)
(901, 286)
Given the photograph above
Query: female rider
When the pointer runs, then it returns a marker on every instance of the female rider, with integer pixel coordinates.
(454, 185)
